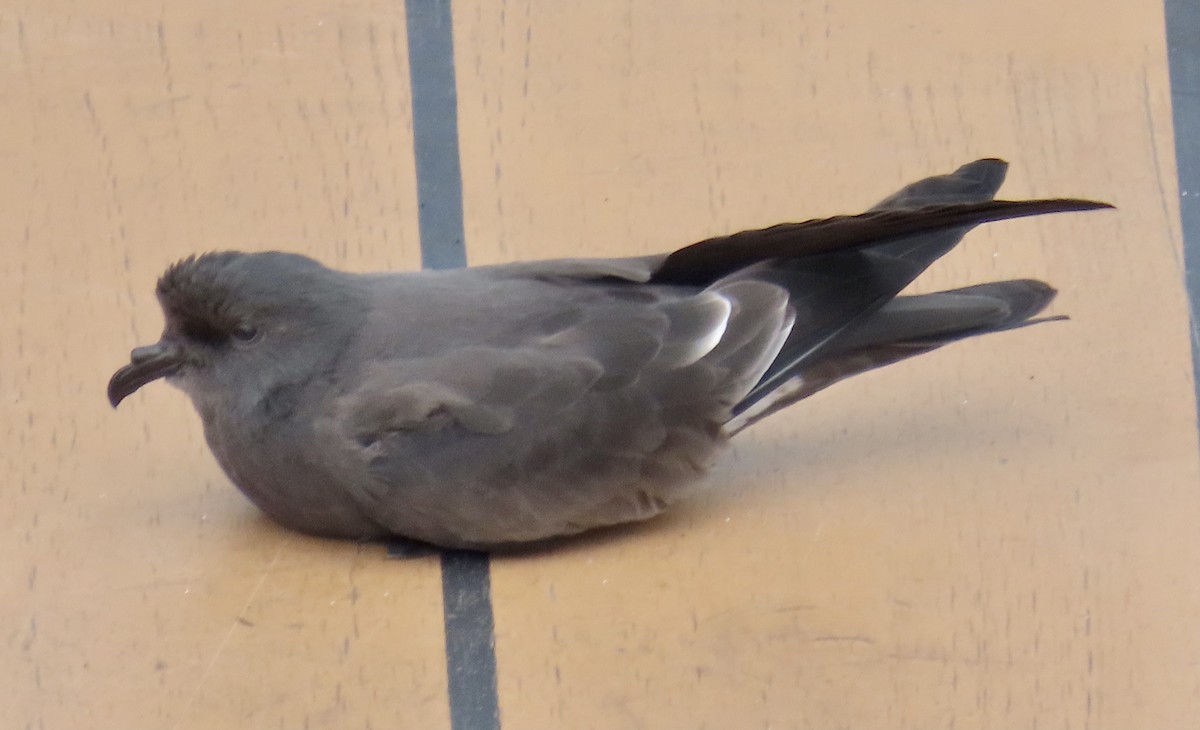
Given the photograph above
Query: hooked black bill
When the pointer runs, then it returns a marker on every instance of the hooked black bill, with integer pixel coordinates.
(146, 364)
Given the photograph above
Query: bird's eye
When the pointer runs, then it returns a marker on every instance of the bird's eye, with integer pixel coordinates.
(244, 333)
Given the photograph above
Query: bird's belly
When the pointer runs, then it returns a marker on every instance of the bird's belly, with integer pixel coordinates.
(292, 486)
(504, 498)
(458, 490)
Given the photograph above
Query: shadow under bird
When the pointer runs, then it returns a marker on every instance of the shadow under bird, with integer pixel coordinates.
(497, 405)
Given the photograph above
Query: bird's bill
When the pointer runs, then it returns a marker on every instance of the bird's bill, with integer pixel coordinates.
(146, 364)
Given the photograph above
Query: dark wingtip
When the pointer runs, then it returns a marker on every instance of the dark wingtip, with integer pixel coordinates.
(1070, 205)
(1012, 209)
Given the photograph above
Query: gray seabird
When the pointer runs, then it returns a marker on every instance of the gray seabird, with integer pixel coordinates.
(497, 405)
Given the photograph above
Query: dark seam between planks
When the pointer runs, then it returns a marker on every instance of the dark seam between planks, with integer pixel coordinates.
(466, 582)
(1183, 58)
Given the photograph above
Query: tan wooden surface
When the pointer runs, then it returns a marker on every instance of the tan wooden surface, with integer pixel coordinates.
(1001, 534)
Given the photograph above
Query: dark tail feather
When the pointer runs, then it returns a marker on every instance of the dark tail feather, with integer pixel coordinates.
(842, 271)
(905, 327)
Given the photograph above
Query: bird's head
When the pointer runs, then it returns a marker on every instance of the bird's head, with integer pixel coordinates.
(238, 320)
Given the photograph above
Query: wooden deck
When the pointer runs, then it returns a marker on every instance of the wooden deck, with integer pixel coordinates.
(1002, 534)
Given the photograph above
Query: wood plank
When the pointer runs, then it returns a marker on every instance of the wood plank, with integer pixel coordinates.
(1001, 534)
(998, 534)
(140, 589)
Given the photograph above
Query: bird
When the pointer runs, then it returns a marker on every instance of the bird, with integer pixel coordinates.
(494, 406)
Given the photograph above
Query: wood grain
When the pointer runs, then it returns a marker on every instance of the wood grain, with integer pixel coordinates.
(1001, 534)
(139, 589)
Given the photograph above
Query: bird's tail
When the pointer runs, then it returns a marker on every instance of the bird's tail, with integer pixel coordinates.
(904, 327)
(842, 277)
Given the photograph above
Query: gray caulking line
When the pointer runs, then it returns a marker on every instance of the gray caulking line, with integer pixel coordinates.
(466, 583)
(435, 134)
(1183, 55)
(470, 652)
